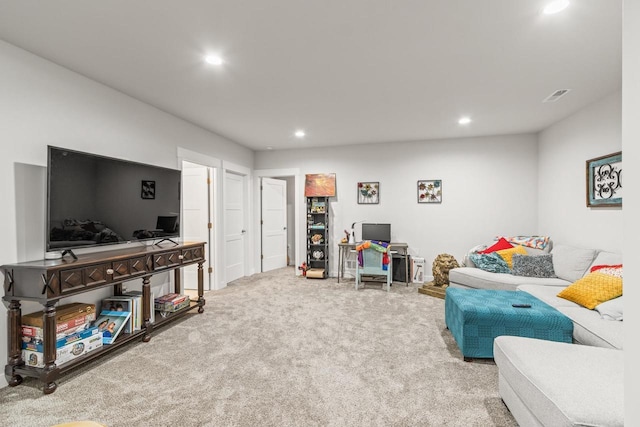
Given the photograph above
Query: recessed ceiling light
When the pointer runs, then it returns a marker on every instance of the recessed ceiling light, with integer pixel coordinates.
(213, 60)
(299, 134)
(269, 148)
(464, 121)
(555, 7)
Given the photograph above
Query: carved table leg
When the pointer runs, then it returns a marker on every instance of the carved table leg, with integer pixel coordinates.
(14, 341)
(201, 300)
(50, 371)
(147, 306)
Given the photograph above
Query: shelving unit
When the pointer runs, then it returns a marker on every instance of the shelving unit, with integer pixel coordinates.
(47, 282)
(317, 237)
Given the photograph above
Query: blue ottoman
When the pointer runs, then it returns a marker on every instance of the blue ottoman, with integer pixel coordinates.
(476, 316)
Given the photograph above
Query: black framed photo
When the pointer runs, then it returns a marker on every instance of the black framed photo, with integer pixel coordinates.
(604, 180)
(430, 191)
(148, 189)
(368, 193)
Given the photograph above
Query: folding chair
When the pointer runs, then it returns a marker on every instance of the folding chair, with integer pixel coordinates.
(372, 266)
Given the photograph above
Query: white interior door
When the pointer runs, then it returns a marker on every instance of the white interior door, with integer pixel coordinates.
(274, 223)
(196, 218)
(234, 226)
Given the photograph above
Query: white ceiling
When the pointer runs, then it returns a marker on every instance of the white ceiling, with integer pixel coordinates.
(346, 71)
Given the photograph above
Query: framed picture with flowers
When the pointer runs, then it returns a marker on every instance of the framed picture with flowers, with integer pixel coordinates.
(368, 193)
(430, 191)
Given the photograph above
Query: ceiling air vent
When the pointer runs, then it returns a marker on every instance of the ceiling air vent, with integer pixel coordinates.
(556, 95)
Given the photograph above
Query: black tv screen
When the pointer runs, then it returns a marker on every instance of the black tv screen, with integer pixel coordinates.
(94, 200)
(376, 232)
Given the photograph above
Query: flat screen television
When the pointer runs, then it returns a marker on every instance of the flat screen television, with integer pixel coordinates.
(95, 200)
(377, 232)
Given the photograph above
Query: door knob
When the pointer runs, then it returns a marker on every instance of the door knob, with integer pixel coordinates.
(243, 231)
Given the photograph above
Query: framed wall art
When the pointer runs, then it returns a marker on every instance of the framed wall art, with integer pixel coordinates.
(368, 193)
(604, 180)
(320, 185)
(430, 191)
(148, 190)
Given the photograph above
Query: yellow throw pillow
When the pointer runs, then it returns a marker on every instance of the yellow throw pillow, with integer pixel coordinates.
(593, 289)
(507, 254)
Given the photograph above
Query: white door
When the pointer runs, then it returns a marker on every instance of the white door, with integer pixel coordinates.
(196, 218)
(274, 223)
(234, 226)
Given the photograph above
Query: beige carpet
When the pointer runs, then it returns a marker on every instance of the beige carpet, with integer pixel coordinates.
(276, 350)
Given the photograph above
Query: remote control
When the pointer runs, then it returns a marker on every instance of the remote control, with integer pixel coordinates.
(521, 305)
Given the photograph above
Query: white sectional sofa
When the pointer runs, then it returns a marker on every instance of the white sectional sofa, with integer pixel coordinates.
(570, 263)
(545, 383)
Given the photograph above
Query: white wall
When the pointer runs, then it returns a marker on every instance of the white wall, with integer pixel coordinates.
(489, 188)
(631, 203)
(564, 149)
(44, 104)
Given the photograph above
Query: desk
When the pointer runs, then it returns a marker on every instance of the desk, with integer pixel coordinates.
(402, 248)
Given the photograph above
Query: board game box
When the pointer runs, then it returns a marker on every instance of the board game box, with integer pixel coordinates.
(37, 344)
(171, 302)
(66, 353)
(69, 319)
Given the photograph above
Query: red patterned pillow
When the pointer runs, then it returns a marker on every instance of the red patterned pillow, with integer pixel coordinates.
(612, 270)
(498, 246)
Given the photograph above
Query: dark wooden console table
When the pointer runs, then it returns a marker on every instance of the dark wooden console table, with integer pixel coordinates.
(48, 281)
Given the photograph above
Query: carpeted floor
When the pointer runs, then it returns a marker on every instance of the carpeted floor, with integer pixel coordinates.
(277, 350)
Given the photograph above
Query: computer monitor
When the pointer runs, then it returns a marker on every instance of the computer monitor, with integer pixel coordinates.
(376, 232)
(167, 223)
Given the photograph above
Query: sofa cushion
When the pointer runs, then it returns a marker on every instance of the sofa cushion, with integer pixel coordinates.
(469, 277)
(533, 266)
(590, 329)
(537, 242)
(570, 262)
(491, 262)
(607, 258)
(562, 384)
(588, 326)
(497, 246)
(507, 254)
(593, 289)
(467, 258)
(612, 309)
(612, 270)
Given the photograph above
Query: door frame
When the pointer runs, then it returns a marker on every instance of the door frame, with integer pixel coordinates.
(257, 234)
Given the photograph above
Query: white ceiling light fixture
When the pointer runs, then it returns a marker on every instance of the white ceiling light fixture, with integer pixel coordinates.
(555, 7)
(299, 134)
(213, 59)
(464, 121)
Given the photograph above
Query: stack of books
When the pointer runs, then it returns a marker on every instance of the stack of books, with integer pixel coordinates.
(137, 314)
(128, 303)
(171, 302)
(75, 334)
